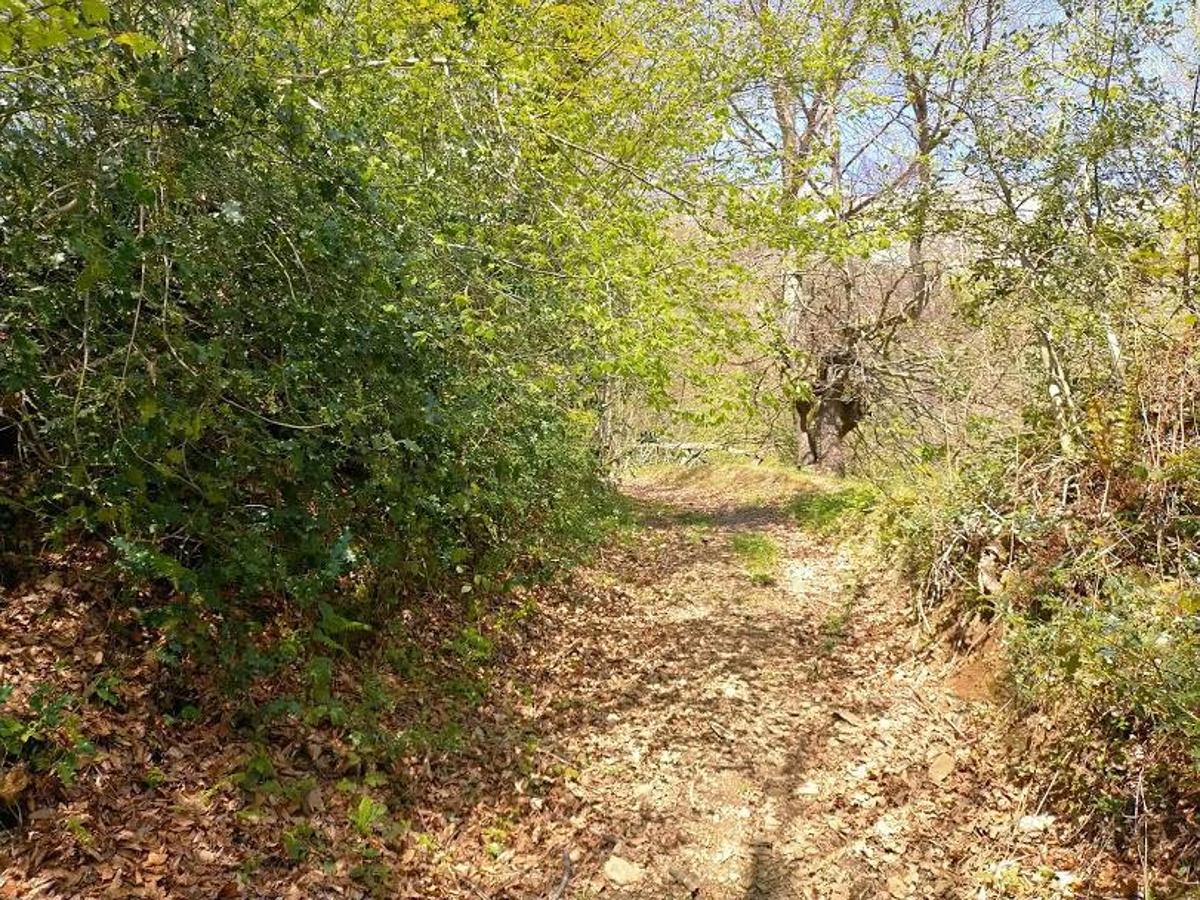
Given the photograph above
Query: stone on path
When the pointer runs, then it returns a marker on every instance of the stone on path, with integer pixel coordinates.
(941, 768)
(621, 871)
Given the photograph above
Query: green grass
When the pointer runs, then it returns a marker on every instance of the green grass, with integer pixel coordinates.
(760, 556)
(826, 510)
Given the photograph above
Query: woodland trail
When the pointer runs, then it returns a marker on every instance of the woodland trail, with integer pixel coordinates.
(728, 702)
(774, 740)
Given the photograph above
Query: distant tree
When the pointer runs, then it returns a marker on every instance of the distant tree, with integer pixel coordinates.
(850, 109)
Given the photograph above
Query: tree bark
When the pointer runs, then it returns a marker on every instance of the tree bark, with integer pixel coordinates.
(1062, 400)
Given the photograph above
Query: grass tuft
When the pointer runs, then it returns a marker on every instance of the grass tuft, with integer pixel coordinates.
(827, 510)
(759, 554)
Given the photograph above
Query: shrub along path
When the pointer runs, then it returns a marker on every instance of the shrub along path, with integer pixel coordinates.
(722, 705)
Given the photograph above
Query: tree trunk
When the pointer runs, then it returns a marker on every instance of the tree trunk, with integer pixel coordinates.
(605, 421)
(1062, 400)
(806, 420)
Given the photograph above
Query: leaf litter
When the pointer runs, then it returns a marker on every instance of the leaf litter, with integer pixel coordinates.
(665, 725)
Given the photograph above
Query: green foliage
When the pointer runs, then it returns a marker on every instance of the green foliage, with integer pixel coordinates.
(934, 519)
(257, 774)
(471, 646)
(375, 876)
(1090, 561)
(320, 681)
(496, 835)
(1121, 671)
(49, 737)
(106, 688)
(316, 305)
(80, 832)
(1180, 472)
(299, 841)
(1129, 655)
(366, 814)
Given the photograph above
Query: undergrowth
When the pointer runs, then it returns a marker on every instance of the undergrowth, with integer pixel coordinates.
(46, 737)
(1088, 564)
(834, 508)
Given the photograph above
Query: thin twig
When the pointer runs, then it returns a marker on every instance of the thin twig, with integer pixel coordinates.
(624, 167)
(559, 892)
(87, 315)
(270, 421)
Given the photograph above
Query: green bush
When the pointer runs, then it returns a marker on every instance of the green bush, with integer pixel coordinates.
(935, 518)
(1089, 559)
(49, 736)
(277, 320)
(1127, 658)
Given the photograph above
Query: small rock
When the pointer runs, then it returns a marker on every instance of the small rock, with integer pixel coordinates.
(941, 768)
(621, 871)
(808, 789)
(1032, 824)
(686, 878)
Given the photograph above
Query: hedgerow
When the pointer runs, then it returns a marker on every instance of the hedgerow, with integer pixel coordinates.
(315, 301)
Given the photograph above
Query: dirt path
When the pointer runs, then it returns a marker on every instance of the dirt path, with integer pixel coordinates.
(721, 706)
(734, 739)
